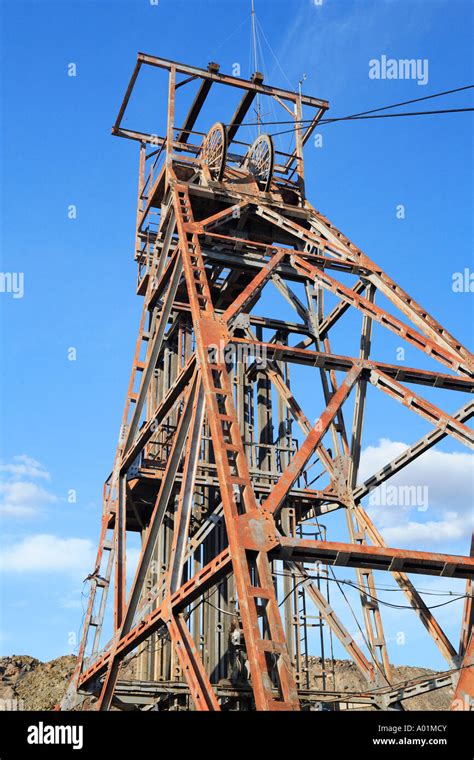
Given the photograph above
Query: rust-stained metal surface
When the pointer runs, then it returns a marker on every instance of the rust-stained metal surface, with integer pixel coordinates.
(214, 468)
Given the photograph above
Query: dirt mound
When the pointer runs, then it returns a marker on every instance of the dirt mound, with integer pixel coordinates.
(345, 677)
(29, 684)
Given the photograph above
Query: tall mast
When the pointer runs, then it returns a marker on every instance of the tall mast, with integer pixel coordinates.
(255, 61)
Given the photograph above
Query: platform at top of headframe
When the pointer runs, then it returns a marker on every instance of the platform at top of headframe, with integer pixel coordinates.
(209, 77)
(195, 107)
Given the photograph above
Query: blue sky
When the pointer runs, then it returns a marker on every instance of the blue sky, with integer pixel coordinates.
(60, 418)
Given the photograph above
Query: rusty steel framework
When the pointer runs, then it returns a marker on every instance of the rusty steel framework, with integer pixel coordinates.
(212, 468)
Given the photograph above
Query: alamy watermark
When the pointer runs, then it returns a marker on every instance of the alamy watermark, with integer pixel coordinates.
(401, 68)
(13, 282)
(463, 282)
(12, 705)
(400, 496)
(46, 734)
(238, 354)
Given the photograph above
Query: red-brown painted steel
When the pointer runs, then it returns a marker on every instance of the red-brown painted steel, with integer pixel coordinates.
(278, 237)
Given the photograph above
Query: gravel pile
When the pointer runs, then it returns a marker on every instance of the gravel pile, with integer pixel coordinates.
(34, 684)
(29, 684)
(349, 679)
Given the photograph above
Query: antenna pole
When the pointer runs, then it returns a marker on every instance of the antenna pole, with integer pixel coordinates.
(254, 48)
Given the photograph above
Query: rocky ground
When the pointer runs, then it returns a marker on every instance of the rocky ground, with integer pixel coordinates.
(349, 679)
(34, 684)
(29, 684)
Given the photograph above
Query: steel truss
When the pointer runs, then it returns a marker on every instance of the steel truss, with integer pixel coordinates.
(210, 469)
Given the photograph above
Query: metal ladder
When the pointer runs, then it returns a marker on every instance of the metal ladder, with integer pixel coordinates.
(263, 631)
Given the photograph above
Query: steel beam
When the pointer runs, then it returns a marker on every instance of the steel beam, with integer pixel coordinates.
(375, 557)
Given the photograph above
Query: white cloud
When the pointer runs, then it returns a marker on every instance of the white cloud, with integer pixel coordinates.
(441, 512)
(44, 552)
(72, 600)
(23, 465)
(446, 473)
(23, 499)
(19, 496)
(453, 528)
